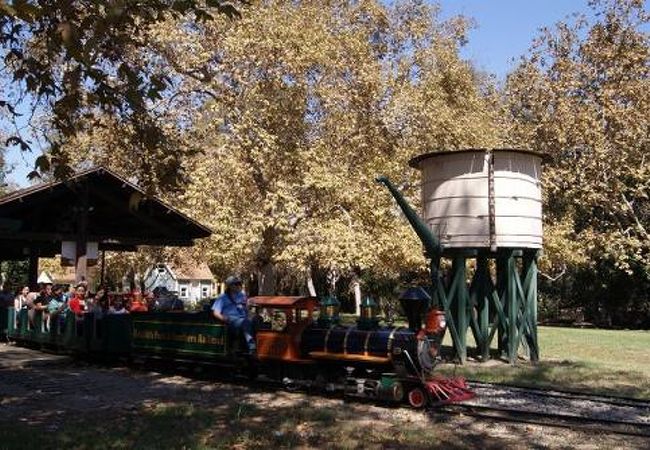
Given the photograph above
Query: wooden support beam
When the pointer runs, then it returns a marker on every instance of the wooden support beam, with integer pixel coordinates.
(512, 309)
(501, 290)
(459, 292)
(530, 288)
(501, 322)
(482, 287)
(446, 302)
(32, 274)
(81, 265)
(473, 313)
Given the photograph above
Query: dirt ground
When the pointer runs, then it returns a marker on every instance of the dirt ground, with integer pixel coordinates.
(55, 402)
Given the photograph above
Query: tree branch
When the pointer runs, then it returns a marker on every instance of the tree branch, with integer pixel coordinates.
(555, 278)
(641, 228)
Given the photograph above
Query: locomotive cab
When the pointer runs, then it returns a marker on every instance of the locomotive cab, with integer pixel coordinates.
(280, 323)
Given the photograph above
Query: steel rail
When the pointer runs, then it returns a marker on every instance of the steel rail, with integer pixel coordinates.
(576, 395)
(546, 419)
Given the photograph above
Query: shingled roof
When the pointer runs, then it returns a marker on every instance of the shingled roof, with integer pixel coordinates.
(191, 271)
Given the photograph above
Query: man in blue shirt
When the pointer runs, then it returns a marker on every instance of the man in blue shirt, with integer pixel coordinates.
(230, 308)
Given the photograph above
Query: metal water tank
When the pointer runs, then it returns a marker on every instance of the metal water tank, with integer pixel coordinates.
(483, 198)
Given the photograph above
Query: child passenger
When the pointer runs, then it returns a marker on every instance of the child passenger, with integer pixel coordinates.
(117, 308)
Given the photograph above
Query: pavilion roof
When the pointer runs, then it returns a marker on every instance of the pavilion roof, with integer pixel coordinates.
(120, 216)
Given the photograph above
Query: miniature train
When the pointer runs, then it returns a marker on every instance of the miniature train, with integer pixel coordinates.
(299, 343)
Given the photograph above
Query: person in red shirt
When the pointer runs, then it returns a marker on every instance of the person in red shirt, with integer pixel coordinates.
(77, 302)
(137, 303)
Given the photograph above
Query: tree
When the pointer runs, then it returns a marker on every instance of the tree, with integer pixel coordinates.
(582, 96)
(307, 104)
(292, 111)
(75, 61)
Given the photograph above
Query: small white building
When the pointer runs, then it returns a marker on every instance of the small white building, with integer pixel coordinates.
(191, 283)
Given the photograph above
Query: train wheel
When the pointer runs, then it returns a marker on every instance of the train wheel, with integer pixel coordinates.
(417, 398)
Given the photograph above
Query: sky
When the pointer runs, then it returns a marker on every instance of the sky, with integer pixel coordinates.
(504, 31)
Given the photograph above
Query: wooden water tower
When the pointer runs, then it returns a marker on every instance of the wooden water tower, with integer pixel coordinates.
(482, 210)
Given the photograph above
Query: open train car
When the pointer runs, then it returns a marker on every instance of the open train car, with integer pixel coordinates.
(109, 335)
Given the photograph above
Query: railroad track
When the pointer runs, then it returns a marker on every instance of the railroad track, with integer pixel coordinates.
(595, 413)
(499, 403)
(609, 399)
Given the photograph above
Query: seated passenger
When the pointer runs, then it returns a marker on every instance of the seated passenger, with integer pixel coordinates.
(67, 296)
(39, 304)
(167, 301)
(138, 304)
(230, 308)
(98, 307)
(6, 296)
(150, 299)
(117, 308)
(20, 302)
(78, 301)
(56, 306)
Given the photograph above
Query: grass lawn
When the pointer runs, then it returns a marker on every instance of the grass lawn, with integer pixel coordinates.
(614, 362)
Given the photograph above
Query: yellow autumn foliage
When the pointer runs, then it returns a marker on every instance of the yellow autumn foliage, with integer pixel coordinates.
(310, 101)
(582, 96)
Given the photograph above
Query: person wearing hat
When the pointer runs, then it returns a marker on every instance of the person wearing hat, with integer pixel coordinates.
(230, 308)
(39, 305)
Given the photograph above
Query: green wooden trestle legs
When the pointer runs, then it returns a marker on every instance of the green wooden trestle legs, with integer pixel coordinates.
(504, 306)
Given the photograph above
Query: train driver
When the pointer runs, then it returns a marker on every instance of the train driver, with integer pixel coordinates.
(230, 308)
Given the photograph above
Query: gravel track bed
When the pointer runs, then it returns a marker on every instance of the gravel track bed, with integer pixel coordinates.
(612, 399)
(561, 404)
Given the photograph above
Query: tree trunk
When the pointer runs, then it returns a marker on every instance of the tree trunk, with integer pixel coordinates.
(332, 278)
(266, 279)
(356, 287)
(310, 284)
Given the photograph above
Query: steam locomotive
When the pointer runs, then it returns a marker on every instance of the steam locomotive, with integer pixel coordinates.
(300, 343)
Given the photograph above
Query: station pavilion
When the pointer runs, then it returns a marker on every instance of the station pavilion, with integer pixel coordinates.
(90, 212)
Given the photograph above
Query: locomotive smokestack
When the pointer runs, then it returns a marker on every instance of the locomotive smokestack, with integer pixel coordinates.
(415, 301)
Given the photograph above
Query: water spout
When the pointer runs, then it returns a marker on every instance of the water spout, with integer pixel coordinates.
(429, 241)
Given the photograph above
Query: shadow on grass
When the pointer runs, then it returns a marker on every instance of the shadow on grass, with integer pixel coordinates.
(246, 425)
(557, 374)
(91, 407)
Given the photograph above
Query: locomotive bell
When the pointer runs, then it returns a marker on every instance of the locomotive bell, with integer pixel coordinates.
(415, 302)
(368, 319)
(329, 311)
